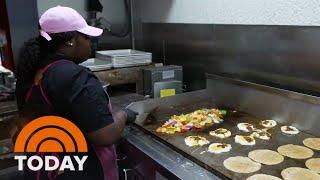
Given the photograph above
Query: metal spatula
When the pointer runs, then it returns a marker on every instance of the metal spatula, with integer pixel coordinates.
(146, 114)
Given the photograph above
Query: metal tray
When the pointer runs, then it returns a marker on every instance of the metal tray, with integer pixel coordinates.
(95, 64)
(125, 57)
(121, 53)
(130, 65)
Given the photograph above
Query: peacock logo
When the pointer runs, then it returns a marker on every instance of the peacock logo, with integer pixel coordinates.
(50, 134)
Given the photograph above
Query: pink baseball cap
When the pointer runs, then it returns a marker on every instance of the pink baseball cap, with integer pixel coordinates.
(63, 19)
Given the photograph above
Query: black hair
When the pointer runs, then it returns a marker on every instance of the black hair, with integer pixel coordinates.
(38, 52)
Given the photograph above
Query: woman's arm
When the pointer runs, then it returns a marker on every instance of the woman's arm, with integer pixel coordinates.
(111, 133)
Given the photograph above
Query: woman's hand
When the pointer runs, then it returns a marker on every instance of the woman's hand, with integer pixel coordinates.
(131, 115)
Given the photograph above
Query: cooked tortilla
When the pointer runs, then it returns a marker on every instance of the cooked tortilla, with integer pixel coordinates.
(263, 177)
(289, 130)
(268, 123)
(220, 133)
(313, 164)
(245, 140)
(246, 127)
(219, 148)
(265, 156)
(313, 143)
(195, 141)
(297, 173)
(240, 164)
(262, 134)
(295, 151)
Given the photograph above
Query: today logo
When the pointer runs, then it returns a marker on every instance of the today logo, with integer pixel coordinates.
(50, 134)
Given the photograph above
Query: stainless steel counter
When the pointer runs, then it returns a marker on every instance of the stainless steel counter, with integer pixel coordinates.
(166, 157)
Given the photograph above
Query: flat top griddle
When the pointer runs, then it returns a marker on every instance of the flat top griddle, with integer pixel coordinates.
(214, 162)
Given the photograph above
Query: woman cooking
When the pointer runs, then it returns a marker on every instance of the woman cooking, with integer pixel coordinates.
(50, 82)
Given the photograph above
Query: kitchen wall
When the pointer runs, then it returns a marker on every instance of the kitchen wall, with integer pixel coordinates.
(78, 5)
(262, 12)
(113, 11)
(267, 42)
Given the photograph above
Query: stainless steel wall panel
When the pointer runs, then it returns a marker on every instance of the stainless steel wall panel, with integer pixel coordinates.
(286, 107)
(287, 57)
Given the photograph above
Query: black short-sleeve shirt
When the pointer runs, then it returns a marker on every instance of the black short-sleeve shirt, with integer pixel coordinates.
(75, 94)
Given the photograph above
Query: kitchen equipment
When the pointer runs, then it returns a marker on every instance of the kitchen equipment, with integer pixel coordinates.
(125, 57)
(167, 88)
(7, 84)
(10, 81)
(245, 102)
(166, 79)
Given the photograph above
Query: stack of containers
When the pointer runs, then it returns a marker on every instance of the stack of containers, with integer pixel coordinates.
(125, 57)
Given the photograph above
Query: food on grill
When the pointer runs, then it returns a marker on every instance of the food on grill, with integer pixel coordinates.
(246, 127)
(313, 143)
(219, 148)
(268, 123)
(240, 164)
(261, 134)
(289, 130)
(245, 140)
(265, 156)
(298, 173)
(313, 164)
(197, 119)
(295, 151)
(195, 141)
(262, 177)
(220, 133)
